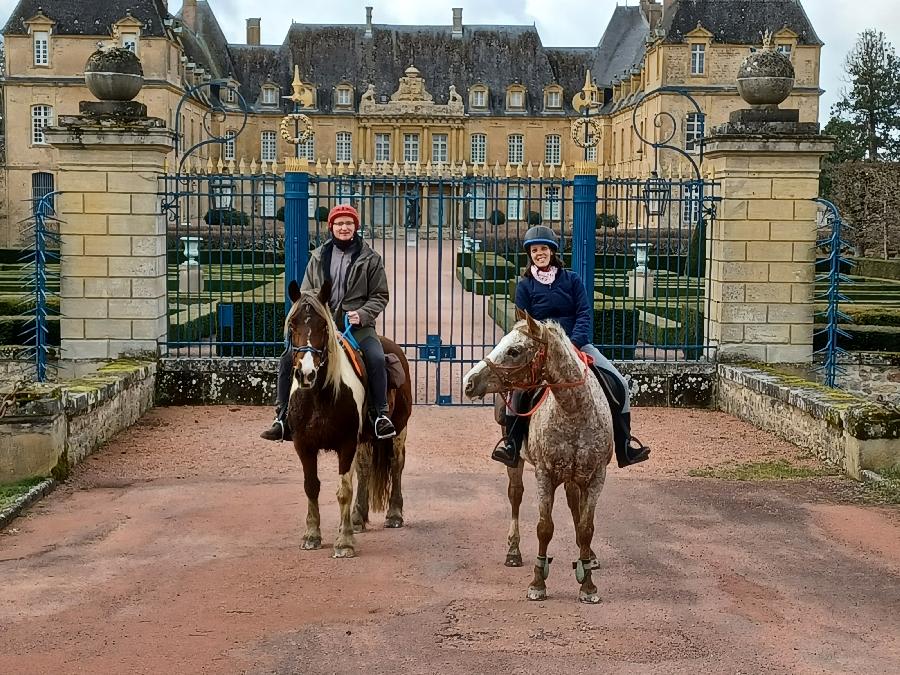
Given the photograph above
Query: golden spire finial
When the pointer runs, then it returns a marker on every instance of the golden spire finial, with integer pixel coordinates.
(587, 80)
(298, 86)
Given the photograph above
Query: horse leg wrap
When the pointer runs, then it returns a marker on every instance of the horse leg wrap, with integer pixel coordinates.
(582, 567)
(543, 563)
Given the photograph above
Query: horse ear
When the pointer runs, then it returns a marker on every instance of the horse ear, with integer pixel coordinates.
(325, 293)
(294, 291)
(520, 314)
(533, 326)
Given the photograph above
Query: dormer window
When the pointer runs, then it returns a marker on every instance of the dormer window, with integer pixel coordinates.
(787, 50)
(41, 48)
(698, 59)
(515, 98)
(478, 98)
(343, 97)
(270, 96)
(130, 42)
(553, 98)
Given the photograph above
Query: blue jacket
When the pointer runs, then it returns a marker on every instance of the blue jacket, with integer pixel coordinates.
(564, 301)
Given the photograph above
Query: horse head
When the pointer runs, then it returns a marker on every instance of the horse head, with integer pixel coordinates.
(312, 335)
(517, 362)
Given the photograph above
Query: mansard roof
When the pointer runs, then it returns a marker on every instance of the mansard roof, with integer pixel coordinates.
(89, 18)
(622, 46)
(738, 22)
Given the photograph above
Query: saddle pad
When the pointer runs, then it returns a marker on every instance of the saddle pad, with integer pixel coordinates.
(396, 374)
(354, 356)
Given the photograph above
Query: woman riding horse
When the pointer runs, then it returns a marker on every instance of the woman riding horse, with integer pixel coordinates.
(359, 291)
(549, 291)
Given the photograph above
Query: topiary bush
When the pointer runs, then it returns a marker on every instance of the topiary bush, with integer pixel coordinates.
(322, 214)
(534, 218)
(226, 217)
(497, 217)
(609, 220)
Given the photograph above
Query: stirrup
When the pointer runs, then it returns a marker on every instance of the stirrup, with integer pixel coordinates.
(501, 455)
(636, 454)
(384, 436)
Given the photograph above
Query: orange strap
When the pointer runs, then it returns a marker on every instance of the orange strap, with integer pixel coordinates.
(353, 355)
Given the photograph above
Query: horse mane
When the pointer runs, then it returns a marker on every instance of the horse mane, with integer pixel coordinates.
(332, 346)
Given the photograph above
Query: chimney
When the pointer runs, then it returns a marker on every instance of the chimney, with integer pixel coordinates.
(253, 29)
(457, 23)
(667, 5)
(189, 14)
(652, 11)
(368, 33)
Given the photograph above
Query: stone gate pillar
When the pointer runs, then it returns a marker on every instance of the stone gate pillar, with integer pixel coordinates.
(762, 246)
(113, 236)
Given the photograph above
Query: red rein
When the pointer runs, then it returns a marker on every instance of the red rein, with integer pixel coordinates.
(537, 366)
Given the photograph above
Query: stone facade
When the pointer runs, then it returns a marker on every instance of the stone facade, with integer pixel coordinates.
(875, 375)
(474, 76)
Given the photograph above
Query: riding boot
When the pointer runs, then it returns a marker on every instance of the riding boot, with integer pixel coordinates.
(384, 427)
(510, 446)
(626, 453)
(279, 431)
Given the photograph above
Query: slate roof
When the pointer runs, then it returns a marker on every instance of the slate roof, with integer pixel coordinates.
(622, 46)
(738, 21)
(94, 17)
(207, 45)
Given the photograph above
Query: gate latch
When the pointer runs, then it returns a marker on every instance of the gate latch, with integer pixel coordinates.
(434, 351)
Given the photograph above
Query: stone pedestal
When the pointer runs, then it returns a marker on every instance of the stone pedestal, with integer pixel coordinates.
(641, 284)
(761, 247)
(113, 235)
(190, 279)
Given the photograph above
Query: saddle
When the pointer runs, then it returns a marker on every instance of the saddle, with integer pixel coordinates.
(395, 373)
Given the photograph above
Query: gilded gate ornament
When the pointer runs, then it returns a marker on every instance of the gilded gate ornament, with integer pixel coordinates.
(586, 132)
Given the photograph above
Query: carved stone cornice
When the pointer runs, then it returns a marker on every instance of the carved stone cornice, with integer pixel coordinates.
(411, 99)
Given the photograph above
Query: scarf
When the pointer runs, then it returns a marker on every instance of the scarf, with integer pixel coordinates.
(547, 276)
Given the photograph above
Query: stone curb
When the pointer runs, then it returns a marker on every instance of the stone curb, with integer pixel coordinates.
(34, 494)
(871, 477)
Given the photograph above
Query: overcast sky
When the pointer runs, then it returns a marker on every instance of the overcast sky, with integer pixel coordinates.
(568, 23)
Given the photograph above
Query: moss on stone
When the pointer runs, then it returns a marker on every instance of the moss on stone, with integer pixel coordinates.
(780, 469)
(11, 492)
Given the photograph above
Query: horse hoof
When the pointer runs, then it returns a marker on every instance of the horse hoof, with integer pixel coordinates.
(358, 526)
(344, 552)
(513, 560)
(588, 598)
(311, 544)
(537, 593)
(393, 522)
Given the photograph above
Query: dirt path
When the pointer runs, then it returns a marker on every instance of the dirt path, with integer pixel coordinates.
(175, 550)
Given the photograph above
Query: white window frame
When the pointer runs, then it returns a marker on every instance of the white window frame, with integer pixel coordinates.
(478, 148)
(479, 99)
(478, 203)
(440, 144)
(591, 154)
(230, 95)
(228, 148)
(344, 97)
(698, 59)
(343, 146)
(552, 203)
(268, 146)
(786, 49)
(692, 132)
(267, 201)
(515, 148)
(514, 202)
(270, 96)
(308, 149)
(41, 47)
(382, 209)
(383, 147)
(552, 150)
(132, 40)
(41, 118)
(411, 148)
(514, 95)
(554, 99)
(690, 203)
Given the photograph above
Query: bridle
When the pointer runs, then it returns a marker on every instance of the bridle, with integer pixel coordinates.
(508, 375)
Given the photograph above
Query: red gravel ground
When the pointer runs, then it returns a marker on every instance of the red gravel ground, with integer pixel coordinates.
(175, 550)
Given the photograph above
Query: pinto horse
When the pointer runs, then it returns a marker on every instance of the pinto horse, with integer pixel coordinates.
(327, 411)
(570, 440)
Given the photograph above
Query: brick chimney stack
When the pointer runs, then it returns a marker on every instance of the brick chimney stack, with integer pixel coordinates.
(253, 31)
(368, 33)
(457, 23)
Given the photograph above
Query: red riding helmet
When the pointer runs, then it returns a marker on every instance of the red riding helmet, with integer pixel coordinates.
(343, 210)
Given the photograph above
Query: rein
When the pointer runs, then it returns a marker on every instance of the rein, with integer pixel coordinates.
(507, 374)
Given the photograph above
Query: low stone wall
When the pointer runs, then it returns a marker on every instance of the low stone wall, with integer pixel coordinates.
(837, 426)
(876, 375)
(51, 428)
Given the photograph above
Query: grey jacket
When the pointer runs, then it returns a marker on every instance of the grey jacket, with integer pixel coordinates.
(367, 286)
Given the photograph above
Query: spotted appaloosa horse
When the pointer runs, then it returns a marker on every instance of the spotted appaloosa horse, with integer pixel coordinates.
(327, 411)
(570, 439)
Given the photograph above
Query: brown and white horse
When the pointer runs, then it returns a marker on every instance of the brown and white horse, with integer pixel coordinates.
(570, 439)
(327, 411)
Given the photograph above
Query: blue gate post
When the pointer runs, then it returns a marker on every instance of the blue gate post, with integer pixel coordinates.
(584, 231)
(296, 229)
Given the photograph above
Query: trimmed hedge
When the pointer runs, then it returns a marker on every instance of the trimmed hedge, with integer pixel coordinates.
(875, 268)
(253, 322)
(245, 257)
(13, 330)
(864, 338)
(616, 327)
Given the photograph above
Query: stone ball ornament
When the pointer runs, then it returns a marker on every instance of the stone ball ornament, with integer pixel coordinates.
(766, 78)
(114, 74)
(304, 124)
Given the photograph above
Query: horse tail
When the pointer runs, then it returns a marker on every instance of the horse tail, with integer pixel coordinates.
(380, 475)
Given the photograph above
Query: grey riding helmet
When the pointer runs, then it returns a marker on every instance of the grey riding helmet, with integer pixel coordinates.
(541, 234)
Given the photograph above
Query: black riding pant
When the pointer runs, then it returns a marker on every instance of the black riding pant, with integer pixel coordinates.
(373, 355)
